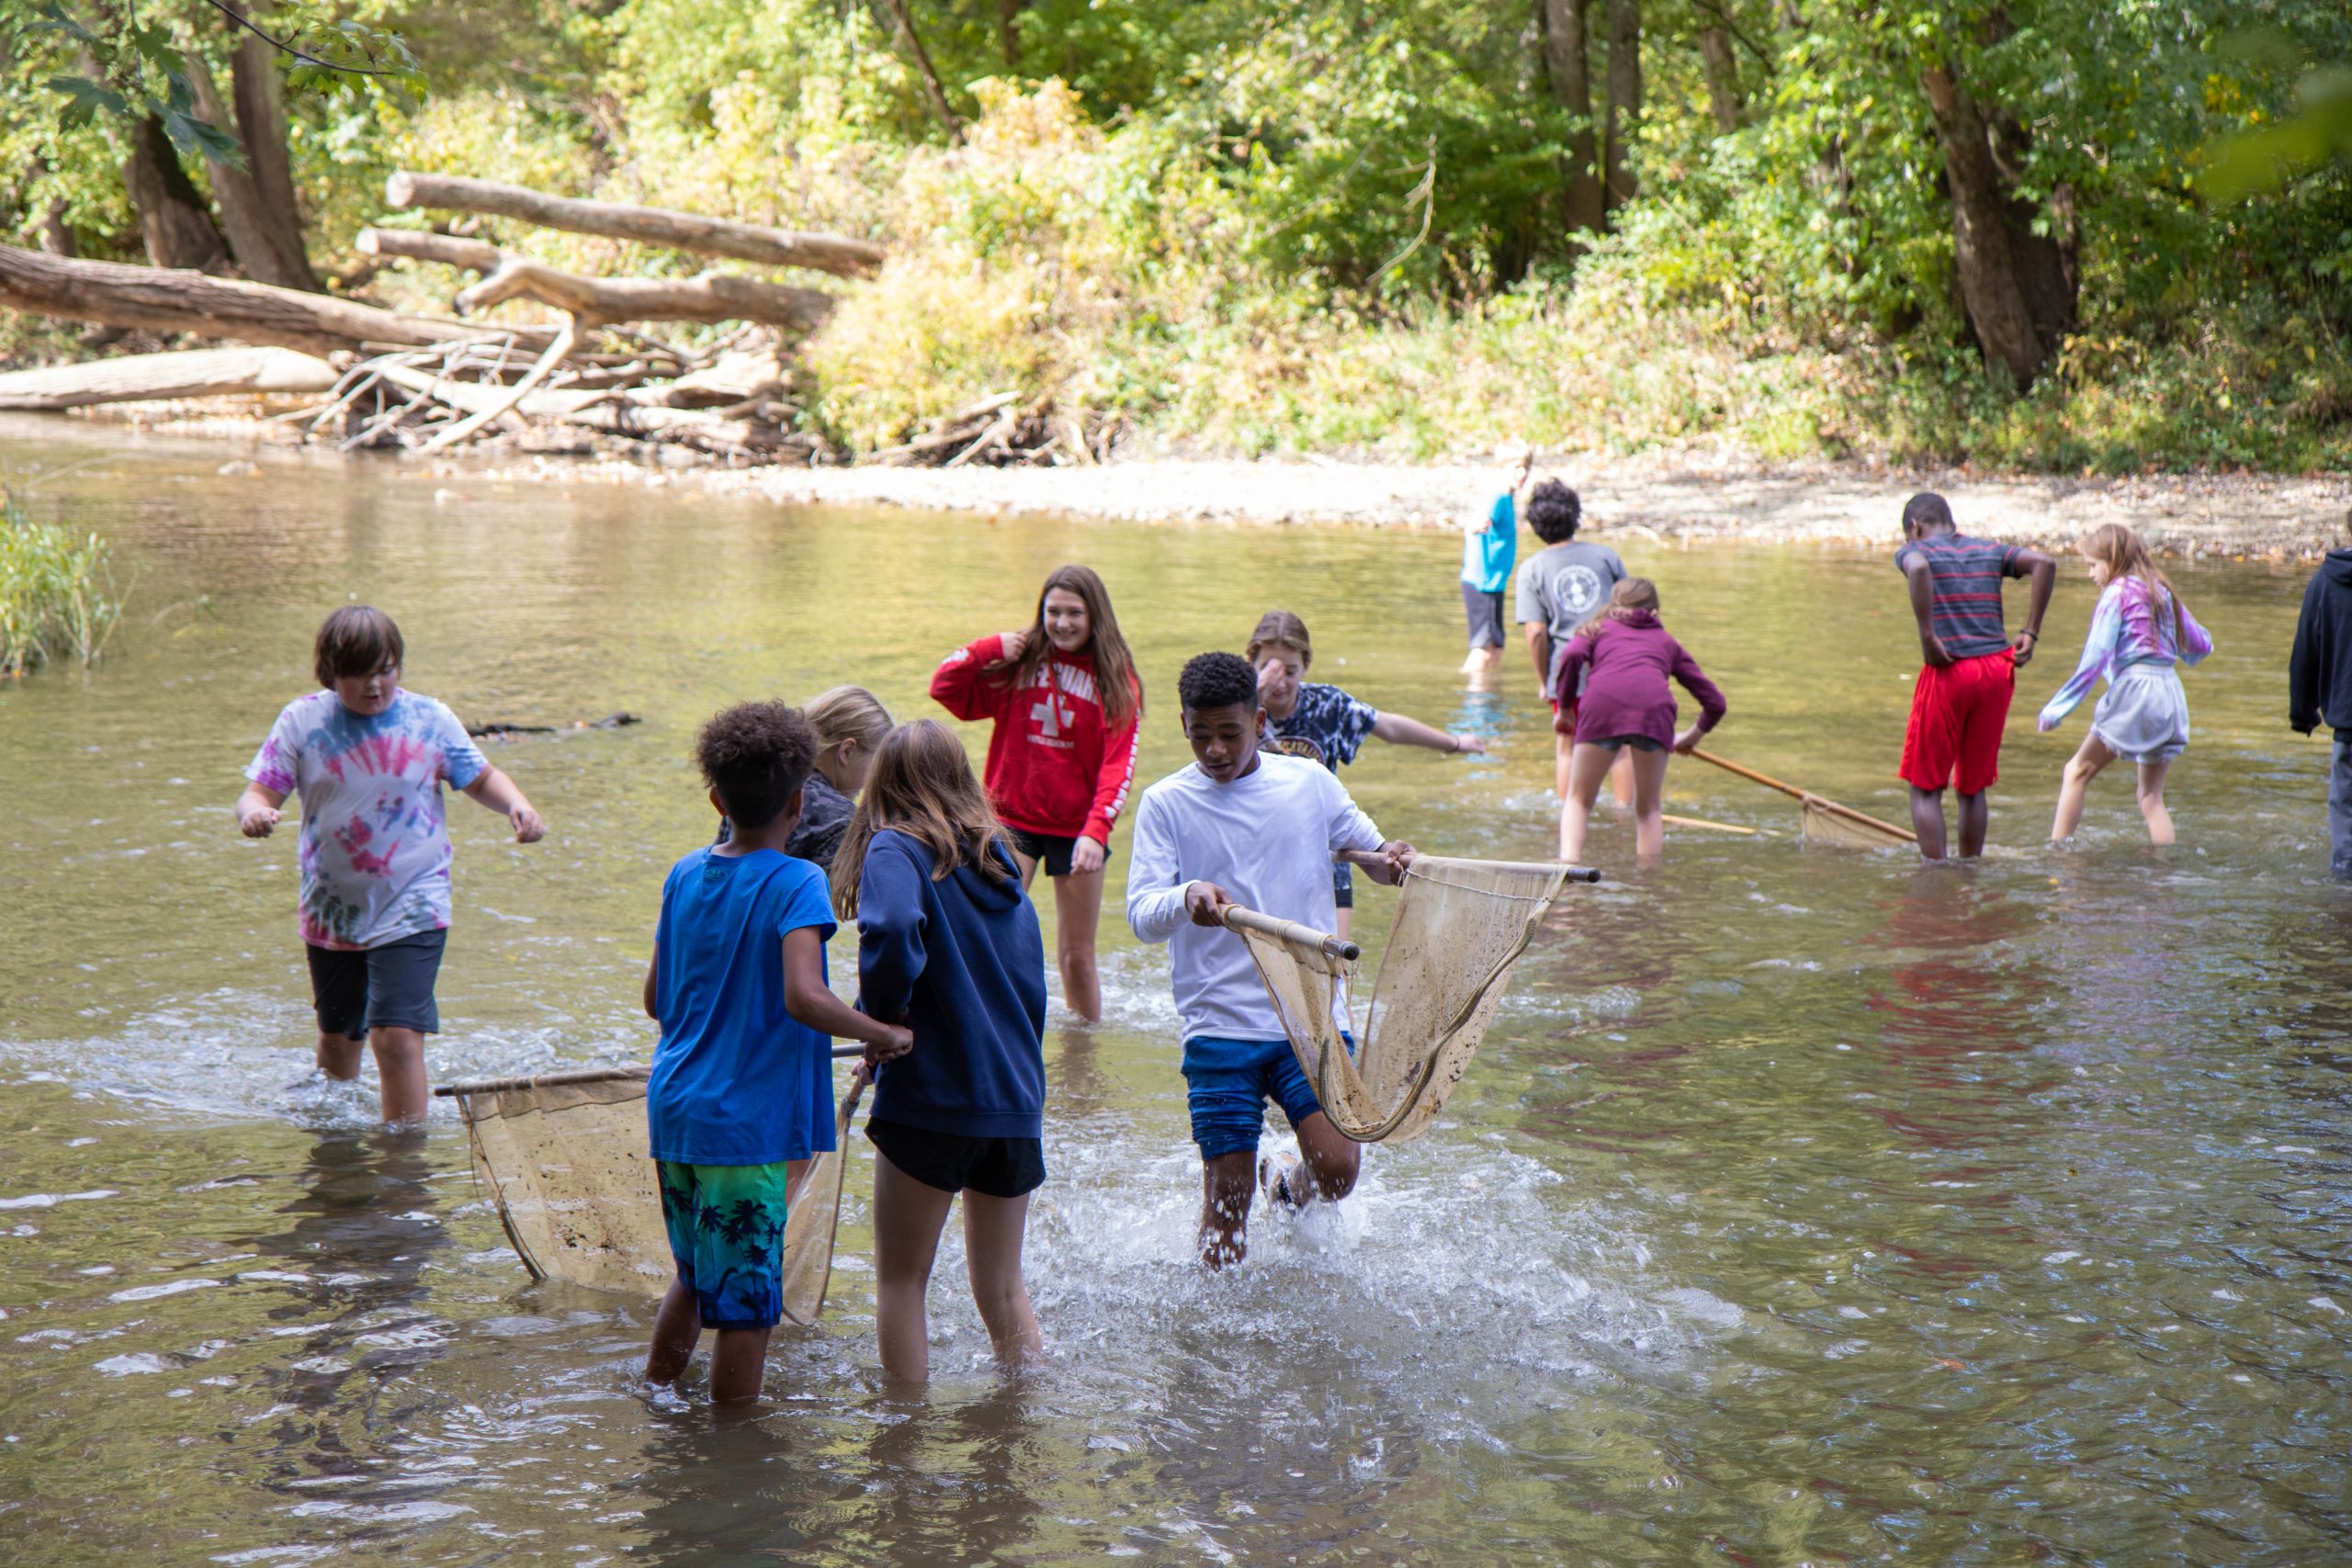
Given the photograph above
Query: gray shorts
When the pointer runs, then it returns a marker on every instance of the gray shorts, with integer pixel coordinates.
(1484, 613)
(391, 986)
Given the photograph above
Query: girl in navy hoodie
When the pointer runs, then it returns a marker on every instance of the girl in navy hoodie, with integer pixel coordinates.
(948, 946)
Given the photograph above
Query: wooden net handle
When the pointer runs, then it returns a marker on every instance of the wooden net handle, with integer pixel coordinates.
(1236, 918)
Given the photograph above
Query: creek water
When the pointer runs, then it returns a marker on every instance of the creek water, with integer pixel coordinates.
(1804, 1205)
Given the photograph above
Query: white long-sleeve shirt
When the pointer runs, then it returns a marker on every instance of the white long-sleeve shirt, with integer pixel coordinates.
(1267, 839)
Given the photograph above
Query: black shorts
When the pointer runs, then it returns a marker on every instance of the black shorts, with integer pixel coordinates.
(1619, 742)
(995, 1167)
(1048, 850)
(391, 986)
(1484, 611)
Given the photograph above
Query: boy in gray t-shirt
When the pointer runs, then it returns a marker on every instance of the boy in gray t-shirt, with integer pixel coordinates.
(1560, 588)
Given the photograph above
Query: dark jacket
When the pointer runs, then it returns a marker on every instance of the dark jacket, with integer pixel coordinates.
(2319, 670)
(961, 963)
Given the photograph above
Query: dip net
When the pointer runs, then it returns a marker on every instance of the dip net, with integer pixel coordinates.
(1461, 924)
(1841, 827)
(564, 1156)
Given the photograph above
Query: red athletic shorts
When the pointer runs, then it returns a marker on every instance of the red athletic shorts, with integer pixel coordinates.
(1956, 718)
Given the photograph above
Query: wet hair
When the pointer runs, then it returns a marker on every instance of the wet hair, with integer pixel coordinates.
(1929, 511)
(847, 714)
(1117, 686)
(1553, 512)
(1279, 628)
(755, 755)
(2119, 549)
(355, 641)
(921, 786)
(1216, 680)
(1630, 595)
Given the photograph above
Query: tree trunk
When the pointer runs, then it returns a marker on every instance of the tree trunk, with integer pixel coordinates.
(602, 301)
(56, 234)
(1722, 78)
(260, 104)
(904, 23)
(1624, 99)
(172, 221)
(140, 377)
(647, 225)
(1992, 233)
(1008, 32)
(1567, 68)
(244, 216)
(164, 301)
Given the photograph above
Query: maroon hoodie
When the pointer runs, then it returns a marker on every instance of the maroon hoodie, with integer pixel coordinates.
(1629, 657)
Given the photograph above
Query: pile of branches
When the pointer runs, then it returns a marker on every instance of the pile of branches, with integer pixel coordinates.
(1003, 430)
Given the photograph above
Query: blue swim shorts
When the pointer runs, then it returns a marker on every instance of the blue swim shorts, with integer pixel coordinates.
(725, 1225)
(1229, 1083)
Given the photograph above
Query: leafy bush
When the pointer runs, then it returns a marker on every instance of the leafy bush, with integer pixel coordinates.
(57, 598)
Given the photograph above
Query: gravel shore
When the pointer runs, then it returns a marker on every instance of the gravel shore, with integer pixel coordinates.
(1670, 496)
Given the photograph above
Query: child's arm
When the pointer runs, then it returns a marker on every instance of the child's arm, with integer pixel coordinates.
(1398, 730)
(2307, 660)
(1113, 780)
(1922, 584)
(495, 790)
(958, 684)
(2098, 652)
(2196, 642)
(257, 810)
(1539, 649)
(811, 1002)
(1712, 705)
(1156, 907)
(2044, 573)
(651, 1011)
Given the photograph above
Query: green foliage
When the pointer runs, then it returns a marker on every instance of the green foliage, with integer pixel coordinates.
(57, 599)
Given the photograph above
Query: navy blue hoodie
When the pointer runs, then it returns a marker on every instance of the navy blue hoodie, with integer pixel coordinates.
(2319, 669)
(960, 961)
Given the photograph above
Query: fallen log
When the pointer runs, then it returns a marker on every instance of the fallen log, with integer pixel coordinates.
(172, 299)
(612, 413)
(602, 301)
(138, 378)
(835, 254)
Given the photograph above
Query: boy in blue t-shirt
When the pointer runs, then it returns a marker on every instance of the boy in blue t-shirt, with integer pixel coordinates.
(1489, 549)
(742, 1094)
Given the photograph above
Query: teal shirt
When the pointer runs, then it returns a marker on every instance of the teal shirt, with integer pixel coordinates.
(1488, 556)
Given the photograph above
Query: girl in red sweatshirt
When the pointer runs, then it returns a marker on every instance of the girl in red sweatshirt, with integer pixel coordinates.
(1065, 699)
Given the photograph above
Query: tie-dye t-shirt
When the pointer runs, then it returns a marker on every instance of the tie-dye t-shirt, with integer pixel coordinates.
(375, 846)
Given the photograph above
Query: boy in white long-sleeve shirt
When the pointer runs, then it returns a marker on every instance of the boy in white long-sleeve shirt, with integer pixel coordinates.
(1257, 829)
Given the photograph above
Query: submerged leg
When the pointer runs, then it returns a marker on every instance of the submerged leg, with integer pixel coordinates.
(1649, 801)
(339, 1056)
(993, 1230)
(676, 1327)
(1077, 907)
(2150, 789)
(2087, 762)
(1975, 818)
(1226, 1183)
(739, 1364)
(1587, 768)
(907, 1215)
(1332, 1160)
(400, 1074)
(1928, 821)
(1620, 777)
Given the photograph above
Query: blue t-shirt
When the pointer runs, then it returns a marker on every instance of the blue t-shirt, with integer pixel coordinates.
(1487, 556)
(1327, 726)
(736, 1080)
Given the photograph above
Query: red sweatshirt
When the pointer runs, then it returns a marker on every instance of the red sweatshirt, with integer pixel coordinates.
(1053, 768)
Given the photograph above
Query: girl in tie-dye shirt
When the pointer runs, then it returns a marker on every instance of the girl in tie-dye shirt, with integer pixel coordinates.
(2140, 633)
(368, 760)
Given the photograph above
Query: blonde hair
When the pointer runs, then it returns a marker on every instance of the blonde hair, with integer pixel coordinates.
(1279, 628)
(2119, 549)
(922, 787)
(847, 714)
(1631, 594)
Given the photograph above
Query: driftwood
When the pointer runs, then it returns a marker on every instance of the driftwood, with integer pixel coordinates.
(835, 254)
(1000, 430)
(602, 301)
(170, 299)
(614, 413)
(200, 372)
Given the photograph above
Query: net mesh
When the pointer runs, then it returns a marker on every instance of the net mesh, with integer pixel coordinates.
(566, 1160)
(1824, 824)
(1461, 924)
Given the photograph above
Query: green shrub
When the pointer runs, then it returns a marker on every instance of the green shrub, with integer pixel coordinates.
(57, 599)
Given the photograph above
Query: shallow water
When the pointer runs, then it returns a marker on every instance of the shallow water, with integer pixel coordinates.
(1805, 1206)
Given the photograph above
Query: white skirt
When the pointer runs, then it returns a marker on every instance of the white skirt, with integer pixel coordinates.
(2144, 718)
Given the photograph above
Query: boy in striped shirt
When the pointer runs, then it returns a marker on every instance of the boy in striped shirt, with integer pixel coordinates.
(1969, 665)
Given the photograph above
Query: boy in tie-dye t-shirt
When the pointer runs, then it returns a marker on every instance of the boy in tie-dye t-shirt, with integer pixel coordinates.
(368, 760)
